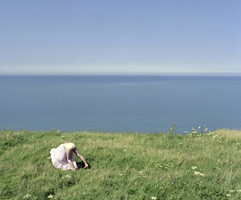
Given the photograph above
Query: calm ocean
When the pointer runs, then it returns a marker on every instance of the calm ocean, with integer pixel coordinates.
(120, 103)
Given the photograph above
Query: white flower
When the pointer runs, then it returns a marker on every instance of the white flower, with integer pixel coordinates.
(121, 174)
(198, 173)
(201, 174)
(27, 196)
(228, 195)
(194, 167)
(231, 191)
(238, 190)
(154, 198)
(50, 196)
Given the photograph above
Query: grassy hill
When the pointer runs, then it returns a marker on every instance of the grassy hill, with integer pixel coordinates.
(123, 166)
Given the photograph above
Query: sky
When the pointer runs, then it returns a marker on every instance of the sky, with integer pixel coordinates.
(120, 36)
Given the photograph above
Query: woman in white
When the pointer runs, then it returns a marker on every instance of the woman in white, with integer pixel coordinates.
(62, 157)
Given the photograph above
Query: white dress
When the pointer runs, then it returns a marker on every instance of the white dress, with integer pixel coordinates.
(59, 158)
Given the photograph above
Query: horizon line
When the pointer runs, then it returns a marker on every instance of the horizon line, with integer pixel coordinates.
(130, 74)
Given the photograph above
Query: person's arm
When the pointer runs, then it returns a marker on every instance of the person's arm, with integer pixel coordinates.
(81, 157)
(69, 160)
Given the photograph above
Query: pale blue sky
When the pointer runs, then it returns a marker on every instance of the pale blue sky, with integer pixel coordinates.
(120, 36)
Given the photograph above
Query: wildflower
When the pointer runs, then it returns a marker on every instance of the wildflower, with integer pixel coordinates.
(27, 196)
(238, 190)
(231, 191)
(198, 173)
(228, 195)
(121, 174)
(50, 196)
(154, 198)
(201, 174)
(194, 167)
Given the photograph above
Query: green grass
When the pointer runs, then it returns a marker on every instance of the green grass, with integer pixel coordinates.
(123, 166)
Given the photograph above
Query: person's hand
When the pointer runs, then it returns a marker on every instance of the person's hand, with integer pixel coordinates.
(86, 165)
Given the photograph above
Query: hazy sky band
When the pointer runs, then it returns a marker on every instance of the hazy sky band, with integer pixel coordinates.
(58, 37)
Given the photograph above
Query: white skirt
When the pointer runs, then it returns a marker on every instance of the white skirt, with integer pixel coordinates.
(59, 158)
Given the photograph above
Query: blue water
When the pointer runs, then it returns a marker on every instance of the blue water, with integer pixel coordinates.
(120, 103)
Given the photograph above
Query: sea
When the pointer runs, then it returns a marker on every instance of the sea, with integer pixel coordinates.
(116, 103)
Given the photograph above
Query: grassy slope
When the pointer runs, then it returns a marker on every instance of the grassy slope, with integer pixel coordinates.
(124, 166)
